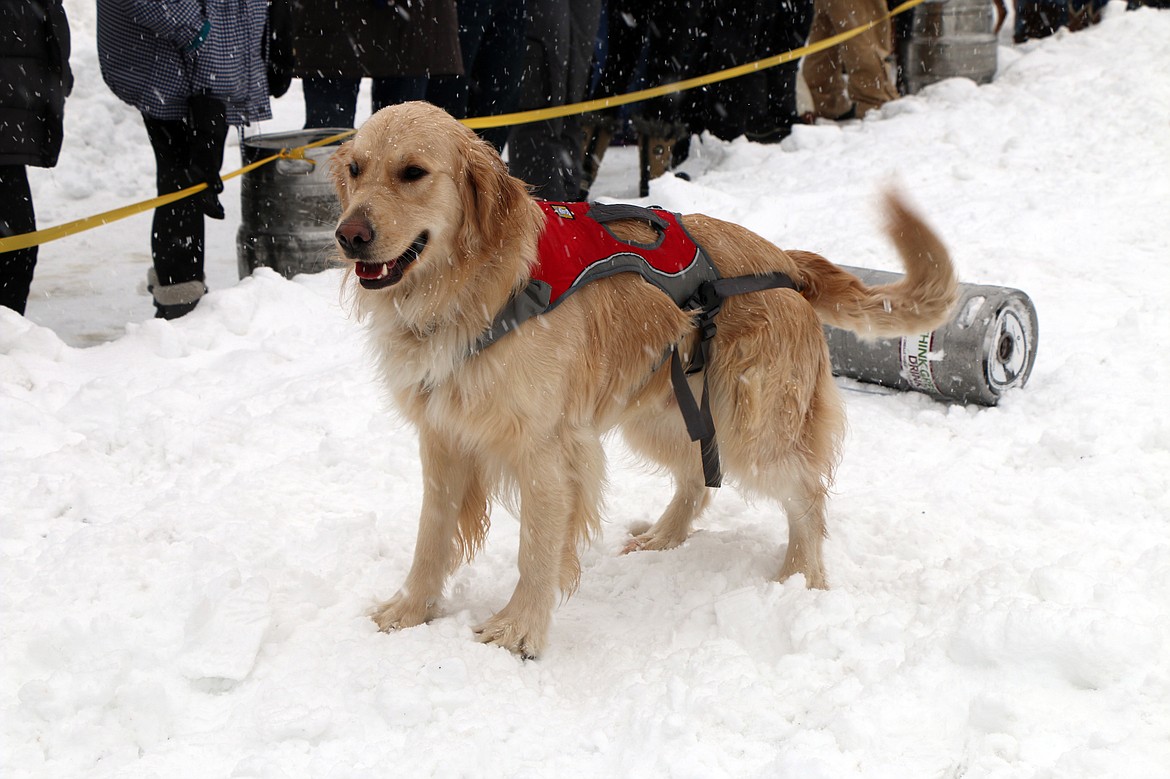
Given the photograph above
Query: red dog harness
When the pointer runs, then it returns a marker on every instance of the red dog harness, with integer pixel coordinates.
(576, 247)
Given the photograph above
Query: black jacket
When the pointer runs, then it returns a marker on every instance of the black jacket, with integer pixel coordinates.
(34, 81)
(379, 38)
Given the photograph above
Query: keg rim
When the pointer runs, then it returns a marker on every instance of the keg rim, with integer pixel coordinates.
(1010, 348)
(281, 140)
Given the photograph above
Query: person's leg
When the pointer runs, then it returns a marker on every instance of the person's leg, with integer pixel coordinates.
(535, 155)
(866, 56)
(789, 30)
(16, 218)
(823, 69)
(495, 88)
(330, 102)
(207, 128)
(177, 235)
(585, 17)
(624, 44)
(659, 122)
(396, 89)
(453, 93)
(733, 30)
(626, 38)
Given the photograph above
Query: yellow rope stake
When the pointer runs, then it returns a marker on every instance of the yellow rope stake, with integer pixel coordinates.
(38, 237)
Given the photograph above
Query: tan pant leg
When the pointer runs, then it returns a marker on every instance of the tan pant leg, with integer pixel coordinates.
(863, 56)
(823, 70)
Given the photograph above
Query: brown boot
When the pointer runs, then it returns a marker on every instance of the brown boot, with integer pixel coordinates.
(597, 133)
(656, 141)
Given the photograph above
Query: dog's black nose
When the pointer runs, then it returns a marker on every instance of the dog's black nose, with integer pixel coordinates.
(354, 236)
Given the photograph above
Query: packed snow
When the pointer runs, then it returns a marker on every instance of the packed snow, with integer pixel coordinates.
(197, 515)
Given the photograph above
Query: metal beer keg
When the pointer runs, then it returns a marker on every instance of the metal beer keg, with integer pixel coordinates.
(987, 348)
(950, 38)
(289, 207)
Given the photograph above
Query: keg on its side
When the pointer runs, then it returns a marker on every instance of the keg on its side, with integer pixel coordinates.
(950, 38)
(289, 206)
(987, 348)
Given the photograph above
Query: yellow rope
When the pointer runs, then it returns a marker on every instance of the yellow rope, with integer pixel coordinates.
(97, 220)
(38, 237)
(524, 117)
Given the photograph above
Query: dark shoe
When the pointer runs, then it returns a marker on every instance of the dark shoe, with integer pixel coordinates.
(1034, 20)
(850, 114)
(771, 135)
(812, 118)
(173, 312)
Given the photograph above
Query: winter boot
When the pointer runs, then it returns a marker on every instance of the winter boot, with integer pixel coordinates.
(172, 301)
(597, 133)
(1082, 14)
(208, 118)
(656, 140)
(1037, 20)
(1078, 18)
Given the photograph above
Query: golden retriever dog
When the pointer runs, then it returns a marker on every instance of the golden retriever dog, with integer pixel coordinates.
(437, 237)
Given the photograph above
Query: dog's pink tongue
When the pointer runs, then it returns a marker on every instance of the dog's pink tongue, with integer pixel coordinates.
(370, 270)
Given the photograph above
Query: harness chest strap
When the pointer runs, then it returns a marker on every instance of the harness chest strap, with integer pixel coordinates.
(576, 247)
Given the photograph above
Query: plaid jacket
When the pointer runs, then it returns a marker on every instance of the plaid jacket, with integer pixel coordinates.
(151, 57)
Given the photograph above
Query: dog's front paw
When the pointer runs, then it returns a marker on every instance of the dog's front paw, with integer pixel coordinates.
(513, 634)
(652, 541)
(399, 612)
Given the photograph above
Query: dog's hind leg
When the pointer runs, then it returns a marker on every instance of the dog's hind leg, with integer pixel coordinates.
(780, 419)
(806, 536)
(674, 526)
(453, 519)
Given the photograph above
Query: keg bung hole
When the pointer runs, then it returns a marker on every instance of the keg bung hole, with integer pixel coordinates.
(1006, 348)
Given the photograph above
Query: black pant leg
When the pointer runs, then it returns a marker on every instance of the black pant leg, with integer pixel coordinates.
(330, 102)
(16, 218)
(789, 29)
(177, 237)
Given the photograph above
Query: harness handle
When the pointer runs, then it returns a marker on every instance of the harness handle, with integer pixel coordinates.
(614, 212)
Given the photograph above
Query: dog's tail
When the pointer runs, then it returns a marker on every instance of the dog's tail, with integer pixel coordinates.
(917, 303)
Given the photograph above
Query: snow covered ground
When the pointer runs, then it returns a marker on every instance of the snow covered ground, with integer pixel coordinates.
(196, 515)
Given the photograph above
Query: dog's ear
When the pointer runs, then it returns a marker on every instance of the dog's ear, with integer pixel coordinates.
(492, 199)
(339, 171)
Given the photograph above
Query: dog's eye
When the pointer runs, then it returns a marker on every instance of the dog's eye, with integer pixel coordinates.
(412, 173)
(354, 169)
